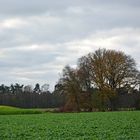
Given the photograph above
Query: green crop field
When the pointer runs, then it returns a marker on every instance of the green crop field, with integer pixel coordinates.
(8, 110)
(71, 126)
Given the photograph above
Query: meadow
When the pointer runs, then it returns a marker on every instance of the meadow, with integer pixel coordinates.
(71, 126)
(8, 110)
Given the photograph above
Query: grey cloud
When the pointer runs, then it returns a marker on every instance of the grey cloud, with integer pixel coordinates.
(69, 26)
(33, 7)
(37, 7)
(39, 37)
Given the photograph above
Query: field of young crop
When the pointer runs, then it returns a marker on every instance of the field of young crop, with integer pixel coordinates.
(71, 126)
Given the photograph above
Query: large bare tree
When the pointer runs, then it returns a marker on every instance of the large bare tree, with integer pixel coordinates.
(112, 69)
(108, 70)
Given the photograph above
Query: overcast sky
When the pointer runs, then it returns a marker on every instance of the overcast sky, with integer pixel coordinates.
(39, 37)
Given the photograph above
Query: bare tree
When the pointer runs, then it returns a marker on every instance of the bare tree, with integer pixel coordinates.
(112, 69)
(28, 88)
(108, 70)
(71, 88)
(45, 88)
(87, 88)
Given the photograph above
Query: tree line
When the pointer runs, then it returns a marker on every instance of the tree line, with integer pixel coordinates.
(28, 97)
(102, 80)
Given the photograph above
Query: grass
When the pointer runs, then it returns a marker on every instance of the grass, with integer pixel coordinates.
(71, 126)
(8, 110)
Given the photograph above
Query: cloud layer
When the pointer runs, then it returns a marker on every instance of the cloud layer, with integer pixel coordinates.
(39, 37)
